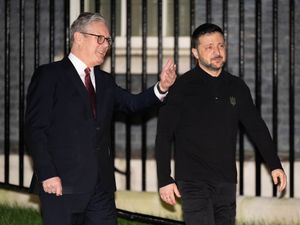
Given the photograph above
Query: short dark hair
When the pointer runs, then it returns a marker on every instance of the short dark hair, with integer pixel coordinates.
(204, 29)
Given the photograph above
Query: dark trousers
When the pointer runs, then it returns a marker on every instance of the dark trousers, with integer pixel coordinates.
(208, 203)
(97, 208)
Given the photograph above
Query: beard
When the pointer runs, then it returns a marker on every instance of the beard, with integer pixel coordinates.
(210, 65)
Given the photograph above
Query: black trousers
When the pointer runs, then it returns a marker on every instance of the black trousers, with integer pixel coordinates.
(97, 208)
(208, 203)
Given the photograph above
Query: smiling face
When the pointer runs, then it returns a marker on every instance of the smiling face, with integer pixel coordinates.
(87, 48)
(210, 53)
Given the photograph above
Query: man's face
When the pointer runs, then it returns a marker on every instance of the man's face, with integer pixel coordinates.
(211, 53)
(92, 52)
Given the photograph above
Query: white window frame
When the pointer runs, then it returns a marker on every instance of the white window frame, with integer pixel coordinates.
(136, 41)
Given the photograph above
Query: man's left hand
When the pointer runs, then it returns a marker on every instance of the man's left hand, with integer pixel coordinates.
(279, 178)
(167, 76)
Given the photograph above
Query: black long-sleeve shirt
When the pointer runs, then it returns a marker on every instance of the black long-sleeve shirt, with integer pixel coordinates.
(201, 115)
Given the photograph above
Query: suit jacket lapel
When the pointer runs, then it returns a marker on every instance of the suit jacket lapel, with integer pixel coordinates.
(73, 76)
(100, 91)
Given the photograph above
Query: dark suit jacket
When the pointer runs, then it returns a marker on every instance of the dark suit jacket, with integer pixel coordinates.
(63, 138)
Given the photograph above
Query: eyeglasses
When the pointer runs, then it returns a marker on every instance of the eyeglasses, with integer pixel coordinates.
(100, 38)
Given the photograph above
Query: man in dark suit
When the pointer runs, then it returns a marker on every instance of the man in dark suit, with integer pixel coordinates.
(70, 104)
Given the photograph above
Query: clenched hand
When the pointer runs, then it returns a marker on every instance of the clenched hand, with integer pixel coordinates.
(53, 186)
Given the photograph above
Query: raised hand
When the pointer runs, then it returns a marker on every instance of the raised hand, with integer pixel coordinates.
(167, 76)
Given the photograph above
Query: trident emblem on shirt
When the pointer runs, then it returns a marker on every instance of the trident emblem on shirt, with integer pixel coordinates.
(232, 100)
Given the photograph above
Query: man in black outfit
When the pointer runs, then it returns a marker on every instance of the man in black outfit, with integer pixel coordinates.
(201, 114)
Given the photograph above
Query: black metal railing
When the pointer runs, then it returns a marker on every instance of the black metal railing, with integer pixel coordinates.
(32, 22)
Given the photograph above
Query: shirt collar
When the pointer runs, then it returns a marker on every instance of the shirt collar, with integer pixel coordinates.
(78, 64)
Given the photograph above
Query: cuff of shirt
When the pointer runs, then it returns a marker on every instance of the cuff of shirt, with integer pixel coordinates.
(159, 95)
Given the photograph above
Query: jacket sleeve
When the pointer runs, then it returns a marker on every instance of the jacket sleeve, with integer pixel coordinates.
(168, 119)
(131, 103)
(257, 129)
(37, 121)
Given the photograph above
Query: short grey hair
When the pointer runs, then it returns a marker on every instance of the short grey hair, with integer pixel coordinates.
(82, 21)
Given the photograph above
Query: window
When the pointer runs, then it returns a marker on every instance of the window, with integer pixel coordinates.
(152, 16)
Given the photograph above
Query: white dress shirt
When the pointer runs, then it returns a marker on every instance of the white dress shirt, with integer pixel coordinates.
(80, 67)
